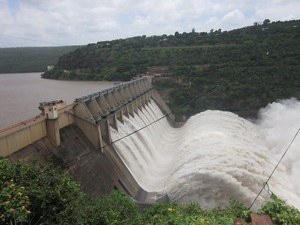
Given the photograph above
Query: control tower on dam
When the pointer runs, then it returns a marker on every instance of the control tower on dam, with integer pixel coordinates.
(78, 137)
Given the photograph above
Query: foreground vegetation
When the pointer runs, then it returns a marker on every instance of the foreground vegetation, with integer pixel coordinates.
(251, 66)
(38, 193)
(30, 59)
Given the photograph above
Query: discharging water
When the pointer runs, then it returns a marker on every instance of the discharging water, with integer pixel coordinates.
(215, 156)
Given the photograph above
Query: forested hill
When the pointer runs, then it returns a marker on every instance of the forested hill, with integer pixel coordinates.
(30, 59)
(253, 66)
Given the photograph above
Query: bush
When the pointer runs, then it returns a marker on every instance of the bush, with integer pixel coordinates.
(14, 204)
(280, 212)
(116, 208)
(41, 194)
(193, 214)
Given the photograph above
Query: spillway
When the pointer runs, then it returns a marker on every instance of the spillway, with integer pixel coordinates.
(214, 157)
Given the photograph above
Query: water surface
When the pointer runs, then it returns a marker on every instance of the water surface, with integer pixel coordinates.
(21, 93)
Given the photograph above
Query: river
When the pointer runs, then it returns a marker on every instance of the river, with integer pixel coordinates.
(21, 93)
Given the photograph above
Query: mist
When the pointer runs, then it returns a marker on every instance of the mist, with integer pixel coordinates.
(278, 123)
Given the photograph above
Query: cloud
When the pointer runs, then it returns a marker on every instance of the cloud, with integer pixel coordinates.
(278, 10)
(67, 22)
(233, 19)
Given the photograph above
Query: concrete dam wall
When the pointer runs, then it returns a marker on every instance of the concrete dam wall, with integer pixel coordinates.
(78, 137)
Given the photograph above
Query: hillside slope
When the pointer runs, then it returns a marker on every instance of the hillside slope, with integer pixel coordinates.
(30, 59)
(252, 66)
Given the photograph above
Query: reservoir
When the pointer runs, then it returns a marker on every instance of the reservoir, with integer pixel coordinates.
(21, 93)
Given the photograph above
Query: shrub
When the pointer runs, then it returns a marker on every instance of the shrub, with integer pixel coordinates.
(280, 212)
(39, 193)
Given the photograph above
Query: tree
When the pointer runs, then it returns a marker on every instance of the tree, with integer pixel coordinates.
(266, 22)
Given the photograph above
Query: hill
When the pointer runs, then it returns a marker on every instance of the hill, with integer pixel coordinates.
(30, 59)
(251, 66)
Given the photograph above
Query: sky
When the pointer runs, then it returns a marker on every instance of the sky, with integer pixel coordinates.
(80, 22)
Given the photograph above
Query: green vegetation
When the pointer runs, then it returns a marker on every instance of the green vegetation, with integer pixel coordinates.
(193, 214)
(252, 66)
(280, 212)
(36, 193)
(30, 59)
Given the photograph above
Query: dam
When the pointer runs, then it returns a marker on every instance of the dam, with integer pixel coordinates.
(124, 138)
(78, 137)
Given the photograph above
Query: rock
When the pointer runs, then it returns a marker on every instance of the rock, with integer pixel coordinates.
(239, 222)
(261, 219)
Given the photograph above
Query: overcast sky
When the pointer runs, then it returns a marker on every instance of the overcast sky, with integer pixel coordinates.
(80, 22)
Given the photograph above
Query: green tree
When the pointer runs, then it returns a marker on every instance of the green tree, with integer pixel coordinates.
(266, 22)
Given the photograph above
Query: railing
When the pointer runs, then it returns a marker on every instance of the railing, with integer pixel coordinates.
(18, 136)
(21, 125)
(109, 90)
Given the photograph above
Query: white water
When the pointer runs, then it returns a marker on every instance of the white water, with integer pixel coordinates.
(215, 156)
